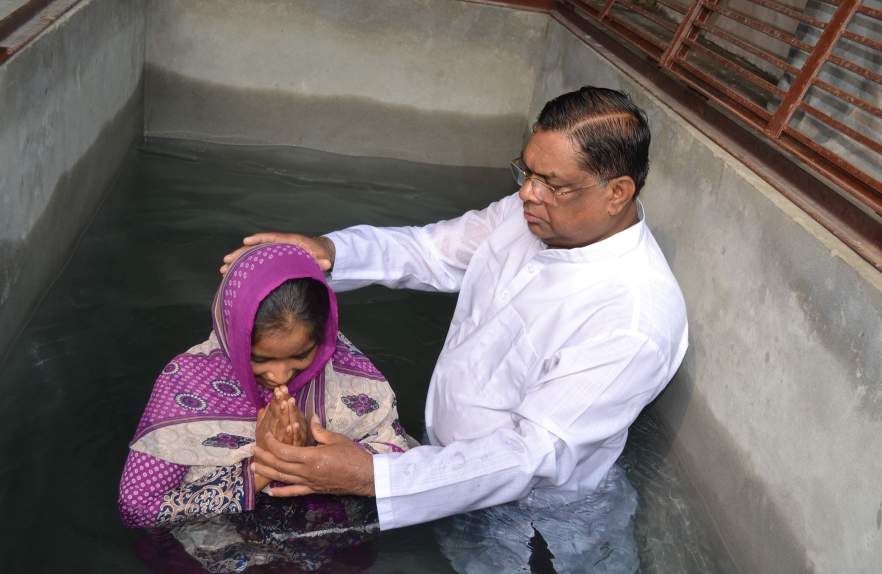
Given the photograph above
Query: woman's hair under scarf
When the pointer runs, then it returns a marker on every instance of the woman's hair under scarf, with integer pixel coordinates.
(249, 280)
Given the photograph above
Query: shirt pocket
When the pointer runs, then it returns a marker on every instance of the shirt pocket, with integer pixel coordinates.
(499, 358)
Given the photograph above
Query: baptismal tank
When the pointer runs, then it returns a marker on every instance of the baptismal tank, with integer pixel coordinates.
(140, 140)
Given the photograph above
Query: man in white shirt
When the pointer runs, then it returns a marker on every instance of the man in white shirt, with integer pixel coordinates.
(568, 322)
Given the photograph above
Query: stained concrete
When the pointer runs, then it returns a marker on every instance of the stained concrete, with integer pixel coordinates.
(443, 82)
(776, 409)
(71, 105)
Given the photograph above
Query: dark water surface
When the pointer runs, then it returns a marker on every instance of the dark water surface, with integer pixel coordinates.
(137, 291)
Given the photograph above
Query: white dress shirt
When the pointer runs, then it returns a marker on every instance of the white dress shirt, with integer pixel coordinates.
(551, 355)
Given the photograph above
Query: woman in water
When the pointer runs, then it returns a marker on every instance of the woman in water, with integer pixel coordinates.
(273, 360)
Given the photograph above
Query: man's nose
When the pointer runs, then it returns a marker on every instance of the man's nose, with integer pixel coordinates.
(526, 192)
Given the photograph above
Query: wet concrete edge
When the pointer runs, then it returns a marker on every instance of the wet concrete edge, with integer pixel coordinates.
(35, 262)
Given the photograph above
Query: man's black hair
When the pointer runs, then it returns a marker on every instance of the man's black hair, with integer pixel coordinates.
(608, 129)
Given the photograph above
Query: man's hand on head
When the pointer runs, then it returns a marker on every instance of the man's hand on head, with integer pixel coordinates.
(336, 465)
(321, 248)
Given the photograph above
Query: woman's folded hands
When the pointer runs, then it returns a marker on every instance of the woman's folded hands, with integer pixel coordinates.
(283, 420)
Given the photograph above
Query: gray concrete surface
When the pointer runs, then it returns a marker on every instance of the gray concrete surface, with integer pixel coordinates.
(71, 106)
(777, 410)
(444, 82)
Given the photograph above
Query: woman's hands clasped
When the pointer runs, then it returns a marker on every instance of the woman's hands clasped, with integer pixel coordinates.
(282, 420)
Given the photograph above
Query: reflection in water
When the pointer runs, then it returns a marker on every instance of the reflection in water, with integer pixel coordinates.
(277, 536)
(137, 290)
(591, 534)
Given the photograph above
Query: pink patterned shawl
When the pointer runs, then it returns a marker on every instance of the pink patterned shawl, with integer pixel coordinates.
(201, 390)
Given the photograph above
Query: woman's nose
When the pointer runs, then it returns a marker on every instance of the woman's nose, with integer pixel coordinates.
(280, 375)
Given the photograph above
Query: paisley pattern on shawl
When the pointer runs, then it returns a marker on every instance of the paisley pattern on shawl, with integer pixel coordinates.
(360, 404)
(221, 490)
(225, 440)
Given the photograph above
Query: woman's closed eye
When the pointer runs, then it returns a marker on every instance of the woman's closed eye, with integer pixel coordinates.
(298, 357)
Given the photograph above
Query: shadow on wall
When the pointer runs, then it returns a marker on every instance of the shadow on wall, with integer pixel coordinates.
(180, 107)
(728, 481)
(28, 266)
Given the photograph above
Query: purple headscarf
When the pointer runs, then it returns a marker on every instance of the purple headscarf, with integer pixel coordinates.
(219, 384)
(249, 280)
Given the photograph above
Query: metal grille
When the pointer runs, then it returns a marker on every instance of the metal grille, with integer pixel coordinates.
(22, 20)
(805, 73)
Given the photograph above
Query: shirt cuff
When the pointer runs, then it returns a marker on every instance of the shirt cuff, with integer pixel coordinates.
(383, 490)
(341, 254)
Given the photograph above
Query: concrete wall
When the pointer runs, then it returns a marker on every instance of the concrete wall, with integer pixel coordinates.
(778, 407)
(70, 107)
(777, 410)
(439, 81)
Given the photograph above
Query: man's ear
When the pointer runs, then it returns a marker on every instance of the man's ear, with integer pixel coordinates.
(621, 191)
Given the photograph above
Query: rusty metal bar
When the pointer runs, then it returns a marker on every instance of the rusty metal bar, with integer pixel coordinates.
(675, 6)
(14, 20)
(851, 99)
(760, 26)
(842, 128)
(607, 8)
(838, 170)
(529, 5)
(785, 66)
(636, 8)
(795, 170)
(857, 69)
(862, 40)
(871, 12)
(789, 12)
(646, 44)
(650, 44)
(812, 66)
(765, 55)
(586, 7)
(687, 30)
(726, 96)
(741, 72)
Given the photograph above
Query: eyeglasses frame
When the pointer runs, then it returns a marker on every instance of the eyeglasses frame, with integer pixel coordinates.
(522, 174)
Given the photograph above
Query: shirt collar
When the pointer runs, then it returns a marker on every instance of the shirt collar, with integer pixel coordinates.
(611, 247)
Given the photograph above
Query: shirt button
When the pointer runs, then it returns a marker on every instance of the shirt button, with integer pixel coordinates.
(531, 268)
(504, 294)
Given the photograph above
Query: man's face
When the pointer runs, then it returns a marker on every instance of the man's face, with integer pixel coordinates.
(579, 218)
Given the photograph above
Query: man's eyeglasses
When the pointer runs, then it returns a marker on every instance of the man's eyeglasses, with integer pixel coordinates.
(544, 192)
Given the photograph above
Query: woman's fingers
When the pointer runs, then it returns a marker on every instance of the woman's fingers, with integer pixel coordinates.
(291, 490)
(278, 453)
(277, 475)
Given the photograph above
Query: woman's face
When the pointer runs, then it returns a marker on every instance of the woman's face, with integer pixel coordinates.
(278, 355)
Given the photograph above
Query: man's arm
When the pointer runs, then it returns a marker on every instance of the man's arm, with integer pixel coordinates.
(591, 396)
(428, 258)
